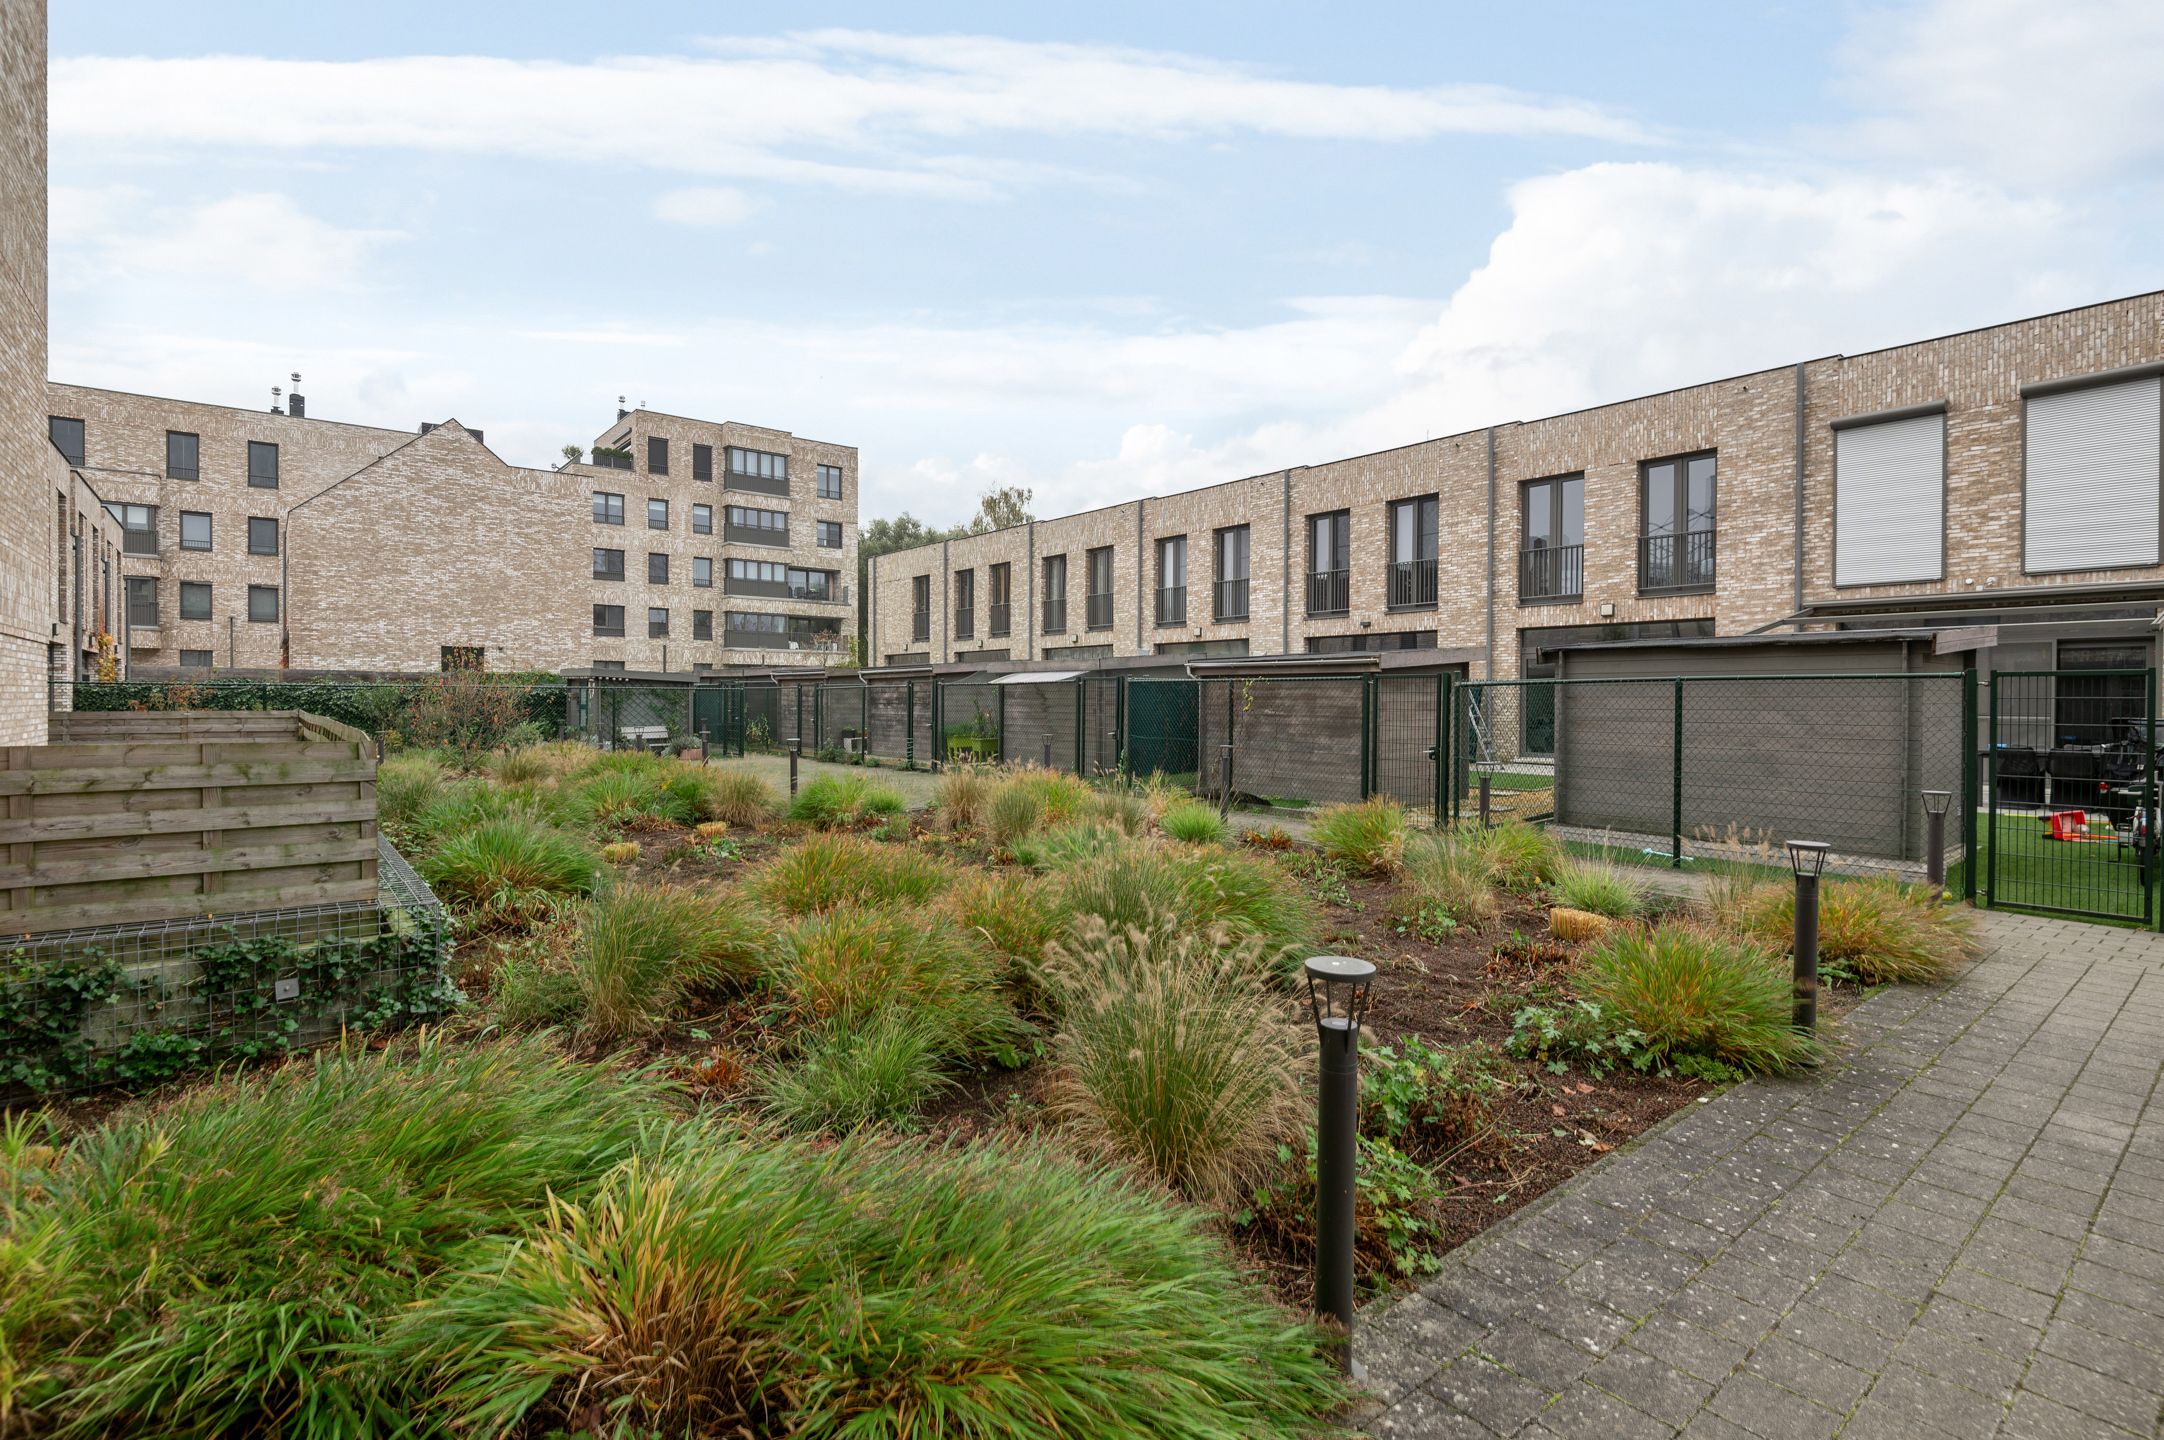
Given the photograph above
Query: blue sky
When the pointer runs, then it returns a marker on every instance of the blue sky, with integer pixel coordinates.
(1102, 251)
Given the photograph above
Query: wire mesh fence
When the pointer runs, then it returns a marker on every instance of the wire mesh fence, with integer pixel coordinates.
(137, 1004)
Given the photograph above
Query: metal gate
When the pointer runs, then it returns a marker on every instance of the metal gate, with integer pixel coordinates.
(2070, 797)
(1160, 728)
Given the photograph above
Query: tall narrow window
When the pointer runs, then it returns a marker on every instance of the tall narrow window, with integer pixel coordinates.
(657, 623)
(1676, 545)
(1329, 563)
(657, 567)
(657, 514)
(657, 455)
(67, 437)
(1172, 580)
(702, 519)
(830, 482)
(702, 572)
(1551, 554)
(965, 604)
(183, 455)
(702, 624)
(1055, 594)
(702, 462)
(1412, 553)
(1099, 601)
(1230, 601)
(142, 602)
(920, 607)
(262, 465)
(999, 614)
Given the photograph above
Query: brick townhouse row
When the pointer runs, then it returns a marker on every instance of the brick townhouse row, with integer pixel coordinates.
(2008, 473)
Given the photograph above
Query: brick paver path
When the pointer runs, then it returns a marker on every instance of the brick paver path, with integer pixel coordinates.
(1955, 1230)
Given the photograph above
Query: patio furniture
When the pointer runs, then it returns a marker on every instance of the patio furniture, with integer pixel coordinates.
(2020, 776)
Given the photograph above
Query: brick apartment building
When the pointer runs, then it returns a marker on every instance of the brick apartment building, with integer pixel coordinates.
(254, 539)
(2008, 476)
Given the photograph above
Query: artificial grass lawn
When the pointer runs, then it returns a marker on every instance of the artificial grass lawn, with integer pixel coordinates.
(2091, 877)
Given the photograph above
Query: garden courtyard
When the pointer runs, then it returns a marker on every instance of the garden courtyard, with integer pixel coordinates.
(982, 1103)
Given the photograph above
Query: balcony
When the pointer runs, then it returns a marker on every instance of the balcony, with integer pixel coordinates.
(1099, 616)
(1055, 617)
(920, 626)
(824, 642)
(1229, 600)
(1000, 619)
(1552, 572)
(754, 535)
(1412, 584)
(757, 484)
(1329, 592)
(1676, 564)
(965, 624)
(1172, 605)
(779, 590)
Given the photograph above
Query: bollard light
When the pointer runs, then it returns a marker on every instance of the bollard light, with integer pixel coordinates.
(796, 748)
(1936, 804)
(1808, 859)
(1337, 996)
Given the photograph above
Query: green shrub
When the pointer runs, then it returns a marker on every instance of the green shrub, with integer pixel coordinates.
(1582, 1030)
(1446, 876)
(776, 1287)
(1193, 823)
(1398, 1226)
(851, 964)
(642, 949)
(830, 870)
(510, 871)
(881, 1070)
(1431, 1100)
(836, 802)
(230, 1262)
(1873, 932)
(1599, 889)
(1522, 857)
(1695, 991)
(1170, 1059)
(1369, 836)
(1012, 813)
(406, 786)
(739, 797)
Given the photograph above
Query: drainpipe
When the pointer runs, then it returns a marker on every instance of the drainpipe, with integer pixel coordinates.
(1491, 552)
(946, 604)
(1029, 586)
(1140, 574)
(1799, 485)
(1284, 594)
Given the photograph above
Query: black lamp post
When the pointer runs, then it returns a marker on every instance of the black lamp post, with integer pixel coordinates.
(1337, 993)
(1808, 859)
(796, 748)
(1936, 804)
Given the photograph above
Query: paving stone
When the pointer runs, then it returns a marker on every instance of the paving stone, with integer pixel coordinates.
(1972, 1367)
(1583, 1410)
(1925, 1399)
(2123, 1358)
(1531, 1353)
(2095, 1395)
(1814, 1376)
(1697, 1353)
(1770, 1412)
(2036, 1417)
(1489, 1394)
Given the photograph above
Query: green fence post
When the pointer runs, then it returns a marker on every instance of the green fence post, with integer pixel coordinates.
(1367, 726)
(909, 724)
(1675, 817)
(939, 723)
(1991, 792)
(2151, 913)
(1442, 733)
(1119, 726)
(1969, 797)
(1000, 751)
(1081, 724)
(819, 714)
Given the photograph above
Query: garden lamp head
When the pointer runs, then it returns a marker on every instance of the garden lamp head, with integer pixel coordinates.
(1337, 992)
(1807, 858)
(1938, 802)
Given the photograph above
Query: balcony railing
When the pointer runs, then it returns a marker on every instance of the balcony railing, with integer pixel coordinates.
(1230, 600)
(965, 624)
(1055, 617)
(757, 484)
(781, 640)
(754, 535)
(610, 632)
(920, 626)
(999, 619)
(1551, 572)
(1412, 584)
(1329, 592)
(778, 590)
(1676, 562)
(1100, 612)
(1172, 605)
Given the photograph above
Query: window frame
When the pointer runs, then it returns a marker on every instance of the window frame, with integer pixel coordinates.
(1556, 487)
(702, 461)
(194, 469)
(702, 572)
(210, 526)
(259, 478)
(1051, 591)
(608, 507)
(603, 628)
(657, 454)
(820, 531)
(126, 514)
(699, 526)
(276, 538)
(702, 625)
(657, 629)
(1680, 500)
(613, 574)
(133, 586)
(257, 592)
(1219, 579)
(1169, 546)
(821, 475)
(651, 502)
(653, 556)
(207, 598)
(82, 439)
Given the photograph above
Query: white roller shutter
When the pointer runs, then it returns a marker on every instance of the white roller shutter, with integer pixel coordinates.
(2093, 453)
(1889, 501)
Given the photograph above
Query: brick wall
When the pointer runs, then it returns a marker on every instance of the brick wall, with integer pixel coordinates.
(30, 475)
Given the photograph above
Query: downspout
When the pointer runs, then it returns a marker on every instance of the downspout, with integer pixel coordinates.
(1798, 603)
(1491, 552)
(1140, 574)
(1029, 585)
(1284, 591)
(946, 604)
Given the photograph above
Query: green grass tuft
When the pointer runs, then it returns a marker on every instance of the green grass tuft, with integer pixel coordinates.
(1876, 932)
(643, 949)
(1369, 836)
(1598, 888)
(510, 871)
(881, 1071)
(848, 965)
(838, 802)
(1523, 857)
(1694, 991)
(830, 870)
(1446, 874)
(1194, 823)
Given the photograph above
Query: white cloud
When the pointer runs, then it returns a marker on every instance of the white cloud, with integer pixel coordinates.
(255, 241)
(709, 206)
(785, 110)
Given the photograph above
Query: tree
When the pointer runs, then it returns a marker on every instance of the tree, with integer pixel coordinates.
(998, 509)
(574, 454)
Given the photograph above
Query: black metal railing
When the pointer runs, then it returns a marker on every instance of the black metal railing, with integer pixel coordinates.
(1553, 572)
(965, 624)
(1055, 617)
(1100, 612)
(1676, 562)
(610, 632)
(782, 640)
(757, 484)
(1412, 584)
(1231, 599)
(1329, 592)
(999, 619)
(920, 626)
(754, 535)
(1172, 605)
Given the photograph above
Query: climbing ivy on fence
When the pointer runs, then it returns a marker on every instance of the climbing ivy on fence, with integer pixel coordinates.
(435, 710)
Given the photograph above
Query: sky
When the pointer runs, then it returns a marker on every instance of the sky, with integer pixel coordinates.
(1101, 251)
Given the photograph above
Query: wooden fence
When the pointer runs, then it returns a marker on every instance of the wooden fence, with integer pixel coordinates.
(135, 817)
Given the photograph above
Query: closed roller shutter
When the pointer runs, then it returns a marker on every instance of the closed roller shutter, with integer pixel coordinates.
(1889, 506)
(2092, 477)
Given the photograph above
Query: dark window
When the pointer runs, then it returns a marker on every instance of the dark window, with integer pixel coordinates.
(1551, 557)
(920, 607)
(830, 482)
(657, 624)
(762, 464)
(263, 603)
(1412, 553)
(999, 615)
(1099, 600)
(262, 535)
(608, 564)
(608, 667)
(183, 455)
(1365, 641)
(965, 604)
(194, 600)
(1677, 508)
(752, 630)
(1172, 580)
(702, 462)
(142, 602)
(702, 572)
(755, 527)
(195, 660)
(1055, 594)
(67, 437)
(195, 530)
(702, 519)
(2100, 709)
(462, 657)
(262, 465)
(1329, 563)
(657, 514)
(608, 620)
(774, 577)
(1231, 598)
(829, 534)
(138, 528)
(657, 567)
(657, 455)
(702, 624)
(608, 509)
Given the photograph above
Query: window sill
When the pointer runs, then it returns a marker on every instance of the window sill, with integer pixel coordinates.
(1425, 607)
(1328, 614)
(1099, 630)
(1535, 601)
(1667, 590)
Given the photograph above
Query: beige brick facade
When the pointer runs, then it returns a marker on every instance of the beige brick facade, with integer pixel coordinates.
(32, 479)
(1750, 425)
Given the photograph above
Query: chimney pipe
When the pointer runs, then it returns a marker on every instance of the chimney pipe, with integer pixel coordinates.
(295, 405)
(276, 391)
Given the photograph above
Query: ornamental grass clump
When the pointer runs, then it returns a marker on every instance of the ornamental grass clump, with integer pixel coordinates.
(1598, 888)
(960, 795)
(1522, 857)
(881, 1071)
(1193, 823)
(1446, 875)
(737, 796)
(1012, 814)
(1369, 836)
(406, 785)
(1170, 1058)
(1017, 916)
(848, 965)
(830, 870)
(1202, 892)
(643, 950)
(1876, 932)
(1690, 990)
(510, 872)
(841, 802)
